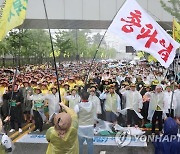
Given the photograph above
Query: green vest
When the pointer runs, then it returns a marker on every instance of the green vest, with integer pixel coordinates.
(38, 105)
(85, 117)
(13, 103)
(111, 103)
(157, 103)
(2, 150)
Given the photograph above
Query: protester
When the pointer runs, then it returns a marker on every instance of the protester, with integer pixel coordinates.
(53, 101)
(133, 105)
(15, 99)
(156, 108)
(102, 80)
(38, 108)
(145, 108)
(63, 137)
(169, 105)
(169, 142)
(27, 104)
(86, 115)
(73, 99)
(112, 104)
(93, 98)
(176, 95)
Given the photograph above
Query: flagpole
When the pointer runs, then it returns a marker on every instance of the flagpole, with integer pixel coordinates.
(175, 74)
(173, 30)
(175, 70)
(52, 47)
(95, 56)
(13, 85)
(100, 44)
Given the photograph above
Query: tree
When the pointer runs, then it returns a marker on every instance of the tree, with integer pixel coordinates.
(97, 38)
(68, 43)
(78, 42)
(29, 43)
(173, 7)
(3, 47)
(63, 41)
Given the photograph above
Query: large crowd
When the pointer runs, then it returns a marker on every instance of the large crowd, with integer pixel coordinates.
(132, 95)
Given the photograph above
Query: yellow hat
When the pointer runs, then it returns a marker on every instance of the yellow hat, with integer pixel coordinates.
(147, 85)
(155, 82)
(125, 83)
(37, 88)
(132, 85)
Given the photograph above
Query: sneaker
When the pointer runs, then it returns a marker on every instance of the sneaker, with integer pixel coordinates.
(12, 130)
(20, 130)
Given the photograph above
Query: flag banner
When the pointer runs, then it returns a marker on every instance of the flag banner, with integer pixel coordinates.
(176, 30)
(140, 30)
(12, 15)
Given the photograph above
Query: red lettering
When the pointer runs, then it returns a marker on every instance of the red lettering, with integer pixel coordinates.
(166, 51)
(146, 33)
(134, 20)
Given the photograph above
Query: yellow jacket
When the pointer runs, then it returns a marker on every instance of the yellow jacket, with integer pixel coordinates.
(67, 145)
(2, 150)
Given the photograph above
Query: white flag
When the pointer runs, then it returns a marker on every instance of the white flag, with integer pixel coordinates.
(140, 30)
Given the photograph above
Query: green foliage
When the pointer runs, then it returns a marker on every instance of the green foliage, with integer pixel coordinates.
(26, 43)
(3, 47)
(69, 44)
(173, 7)
(78, 42)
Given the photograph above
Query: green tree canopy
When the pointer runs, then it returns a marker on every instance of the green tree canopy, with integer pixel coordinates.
(173, 7)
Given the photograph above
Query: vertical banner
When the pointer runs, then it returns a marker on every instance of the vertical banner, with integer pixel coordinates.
(176, 30)
(13, 14)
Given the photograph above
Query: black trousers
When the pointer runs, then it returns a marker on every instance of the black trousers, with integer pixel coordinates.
(144, 111)
(38, 120)
(132, 118)
(16, 117)
(171, 113)
(157, 116)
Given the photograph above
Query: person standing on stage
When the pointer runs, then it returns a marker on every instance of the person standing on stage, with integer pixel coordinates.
(93, 98)
(156, 108)
(38, 108)
(133, 105)
(27, 104)
(112, 104)
(63, 137)
(53, 101)
(86, 117)
(167, 102)
(73, 99)
(15, 99)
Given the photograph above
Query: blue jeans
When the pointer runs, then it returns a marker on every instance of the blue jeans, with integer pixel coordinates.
(89, 144)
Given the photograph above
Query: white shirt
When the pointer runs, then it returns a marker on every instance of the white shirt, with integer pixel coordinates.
(167, 100)
(53, 103)
(96, 102)
(133, 99)
(104, 95)
(87, 106)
